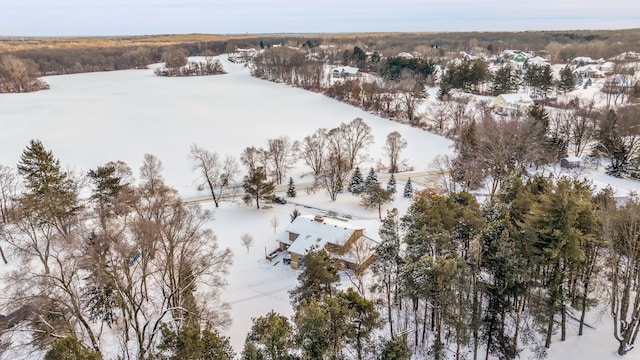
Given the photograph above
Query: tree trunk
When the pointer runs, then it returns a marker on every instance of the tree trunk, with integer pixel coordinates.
(390, 315)
(213, 192)
(519, 310)
(563, 325)
(547, 341)
(3, 257)
(415, 320)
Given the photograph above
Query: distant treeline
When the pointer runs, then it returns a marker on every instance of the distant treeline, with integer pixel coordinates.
(594, 43)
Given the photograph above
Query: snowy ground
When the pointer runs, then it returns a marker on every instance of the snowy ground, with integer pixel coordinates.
(89, 119)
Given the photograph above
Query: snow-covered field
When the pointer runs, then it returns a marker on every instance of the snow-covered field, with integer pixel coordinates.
(90, 119)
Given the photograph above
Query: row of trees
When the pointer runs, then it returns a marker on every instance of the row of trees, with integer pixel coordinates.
(473, 76)
(461, 277)
(129, 260)
(17, 77)
(177, 64)
(490, 151)
(398, 97)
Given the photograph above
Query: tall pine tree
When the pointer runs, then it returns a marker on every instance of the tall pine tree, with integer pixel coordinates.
(291, 188)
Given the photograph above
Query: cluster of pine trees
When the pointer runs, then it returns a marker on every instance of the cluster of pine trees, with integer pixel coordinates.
(492, 279)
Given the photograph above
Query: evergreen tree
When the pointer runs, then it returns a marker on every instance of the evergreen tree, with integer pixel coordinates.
(192, 343)
(361, 320)
(567, 80)
(109, 190)
(321, 328)
(356, 186)
(375, 196)
(372, 179)
(291, 188)
(444, 90)
(70, 348)
(504, 81)
(50, 193)
(539, 77)
(318, 277)
(560, 220)
(408, 189)
(391, 184)
(617, 141)
(389, 263)
(270, 338)
(256, 185)
(395, 348)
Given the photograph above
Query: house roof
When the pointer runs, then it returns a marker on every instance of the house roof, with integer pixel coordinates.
(315, 233)
(346, 69)
(537, 61)
(517, 98)
(405, 55)
(583, 59)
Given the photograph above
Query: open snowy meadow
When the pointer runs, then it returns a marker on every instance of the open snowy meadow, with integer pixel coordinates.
(90, 119)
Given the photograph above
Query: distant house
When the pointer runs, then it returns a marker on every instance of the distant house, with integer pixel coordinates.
(583, 60)
(570, 162)
(520, 58)
(345, 72)
(512, 103)
(588, 71)
(405, 55)
(343, 240)
(538, 61)
(607, 67)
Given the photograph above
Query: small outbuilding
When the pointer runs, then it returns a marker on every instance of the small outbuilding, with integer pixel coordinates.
(570, 162)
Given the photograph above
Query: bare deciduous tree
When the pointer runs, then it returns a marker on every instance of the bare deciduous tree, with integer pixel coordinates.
(15, 76)
(393, 146)
(439, 116)
(275, 223)
(412, 93)
(216, 175)
(247, 240)
(159, 265)
(175, 57)
(253, 157)
(46, 235)
(8, 192)
(313, 149)
(332, 176)
(281, 155)
(355, 136)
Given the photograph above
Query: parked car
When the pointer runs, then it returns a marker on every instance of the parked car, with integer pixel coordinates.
(279, 200)
(287, 259)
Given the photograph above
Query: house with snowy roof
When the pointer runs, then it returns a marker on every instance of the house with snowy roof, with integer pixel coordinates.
(583, 60)
(344, 72)
(538, 61)
(570, 162)
(512, 103)
(588, 71)
(343, 240)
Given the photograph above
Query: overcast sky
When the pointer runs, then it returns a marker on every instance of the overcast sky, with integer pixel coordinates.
(141, 17)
